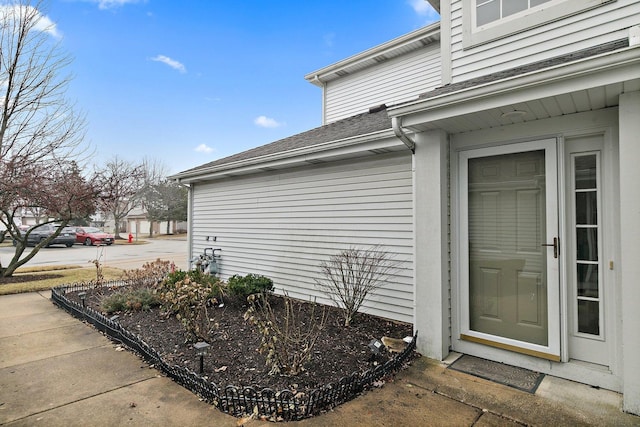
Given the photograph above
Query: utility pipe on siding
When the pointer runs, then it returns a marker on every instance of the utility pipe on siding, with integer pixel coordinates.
(396, 123)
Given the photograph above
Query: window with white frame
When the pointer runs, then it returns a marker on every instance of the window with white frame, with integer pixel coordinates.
(487, 20)
(493, 10)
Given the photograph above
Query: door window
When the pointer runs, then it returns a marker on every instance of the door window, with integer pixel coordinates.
(507, 271)
(587, 232)
(509, 252)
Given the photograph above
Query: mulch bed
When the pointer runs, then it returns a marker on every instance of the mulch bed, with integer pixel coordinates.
(233, 358)
(20, 278)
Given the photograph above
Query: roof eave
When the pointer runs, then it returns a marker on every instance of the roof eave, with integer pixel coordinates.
(588, 72)
(317, 77)
(313, 154)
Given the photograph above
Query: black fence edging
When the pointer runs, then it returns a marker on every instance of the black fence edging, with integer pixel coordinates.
(284, 405)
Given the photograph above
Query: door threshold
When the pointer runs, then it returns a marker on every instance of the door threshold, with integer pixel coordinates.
(590, 365)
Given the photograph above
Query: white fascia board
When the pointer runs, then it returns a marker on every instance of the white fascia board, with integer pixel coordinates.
(607, 68)
(317, 77)
(322, 152)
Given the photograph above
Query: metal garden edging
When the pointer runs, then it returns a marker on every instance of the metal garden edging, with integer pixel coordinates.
(283, 405)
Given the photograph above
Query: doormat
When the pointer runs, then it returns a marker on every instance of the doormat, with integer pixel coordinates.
(512, 376)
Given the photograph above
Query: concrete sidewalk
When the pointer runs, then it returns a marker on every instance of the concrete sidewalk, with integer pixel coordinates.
(57, 371)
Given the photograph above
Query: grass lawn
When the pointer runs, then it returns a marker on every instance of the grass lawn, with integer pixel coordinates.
(33, 279)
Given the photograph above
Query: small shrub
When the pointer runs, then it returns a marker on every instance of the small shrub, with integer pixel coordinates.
(150, 274)
(132, 300)
(351, 275)
(188, 296)
(288, 336)
(250, 284)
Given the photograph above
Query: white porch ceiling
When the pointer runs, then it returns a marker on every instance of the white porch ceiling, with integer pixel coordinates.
(569, 103)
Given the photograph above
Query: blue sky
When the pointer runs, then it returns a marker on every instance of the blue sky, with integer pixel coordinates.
(187, 82)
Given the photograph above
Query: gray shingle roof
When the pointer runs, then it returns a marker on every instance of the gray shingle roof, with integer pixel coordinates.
(534, 66)
(361, 124)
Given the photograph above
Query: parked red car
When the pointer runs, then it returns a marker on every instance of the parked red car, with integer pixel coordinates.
(93, 236)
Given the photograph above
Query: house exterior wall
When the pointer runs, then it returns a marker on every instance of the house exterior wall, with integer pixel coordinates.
(600, 24)
(283, 224)
(630, 251)
(390, 82)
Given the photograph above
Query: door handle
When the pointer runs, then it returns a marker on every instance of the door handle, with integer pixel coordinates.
(556, 246)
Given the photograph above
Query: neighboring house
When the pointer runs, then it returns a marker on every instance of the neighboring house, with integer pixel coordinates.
(139, 225)
(503, 175)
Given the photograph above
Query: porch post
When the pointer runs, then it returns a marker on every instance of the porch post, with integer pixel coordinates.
(629, 110)
(431, 297)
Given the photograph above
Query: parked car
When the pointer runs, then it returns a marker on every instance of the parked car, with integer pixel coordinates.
(23, 229)
(93, 236)
(38, 233)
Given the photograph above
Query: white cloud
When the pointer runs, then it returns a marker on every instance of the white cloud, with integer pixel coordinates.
(423, 8)
(203, 148)
(42, 22)
(329, 39)
(111, 4)
(266, 122)
(170, 62)
(48, 26)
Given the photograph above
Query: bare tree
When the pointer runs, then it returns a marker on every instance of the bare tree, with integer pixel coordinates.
(351, 275)
(40, 133)
(121, 185)
(155, 173)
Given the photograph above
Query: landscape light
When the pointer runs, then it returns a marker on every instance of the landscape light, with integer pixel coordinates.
(83, 296)
(201, 349)
(375, 346)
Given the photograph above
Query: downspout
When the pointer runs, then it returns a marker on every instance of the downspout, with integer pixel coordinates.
(396, 124)
(189, 221)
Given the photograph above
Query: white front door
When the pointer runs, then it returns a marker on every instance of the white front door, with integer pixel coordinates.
(510, 247)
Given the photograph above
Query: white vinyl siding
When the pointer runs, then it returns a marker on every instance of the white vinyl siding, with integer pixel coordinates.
(283, 224)
(582, 30)
(390, 82)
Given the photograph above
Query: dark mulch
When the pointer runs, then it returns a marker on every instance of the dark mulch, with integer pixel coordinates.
(20, 278)
(233, 357)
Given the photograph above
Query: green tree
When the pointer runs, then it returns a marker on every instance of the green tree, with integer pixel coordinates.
(166, 201)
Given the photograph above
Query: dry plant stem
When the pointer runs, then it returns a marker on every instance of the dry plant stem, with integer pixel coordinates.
(99, 275)
(351, 275)
(150, 274)
(288, 340)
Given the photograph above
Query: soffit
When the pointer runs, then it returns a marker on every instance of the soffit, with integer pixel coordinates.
(591, 99)
(435, 4)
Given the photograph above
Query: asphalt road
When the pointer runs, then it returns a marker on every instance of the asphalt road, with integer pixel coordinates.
(121, 255)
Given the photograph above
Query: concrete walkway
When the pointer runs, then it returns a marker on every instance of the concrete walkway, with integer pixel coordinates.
(58, 371)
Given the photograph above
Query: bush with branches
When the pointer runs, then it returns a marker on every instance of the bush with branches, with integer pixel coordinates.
(287, 335)
(141, 294)
(150, 275)
(351, 275)
(188, 296)
(130, 300)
